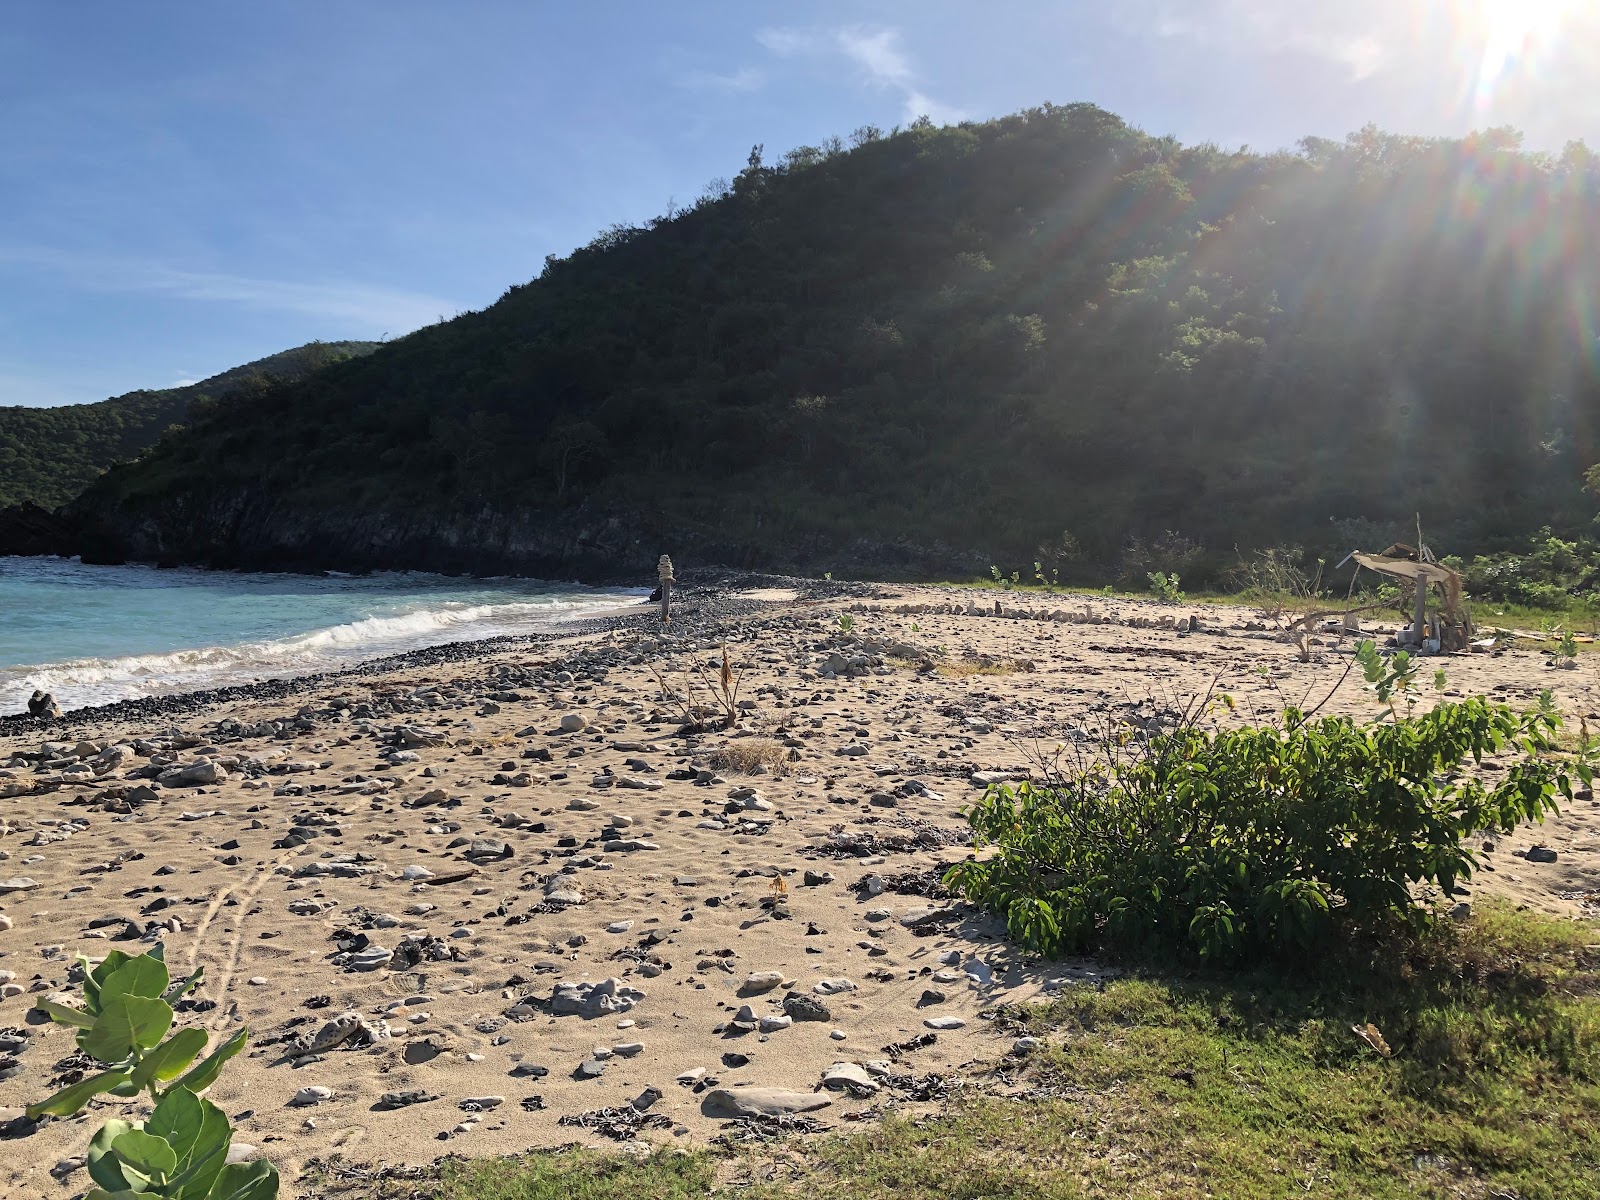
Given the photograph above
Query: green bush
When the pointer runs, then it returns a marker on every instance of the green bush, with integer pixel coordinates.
(1257, 842)
(181, 1149)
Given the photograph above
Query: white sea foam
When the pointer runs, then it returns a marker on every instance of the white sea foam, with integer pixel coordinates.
(79, 683)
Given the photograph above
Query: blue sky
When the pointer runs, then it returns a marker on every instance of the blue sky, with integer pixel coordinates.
(188, 186)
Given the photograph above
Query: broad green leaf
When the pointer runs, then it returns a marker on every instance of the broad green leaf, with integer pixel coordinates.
(158, 952)
(182, 988)
(180, 1118)
(64, 1014)
(126, 1022)
(168, 1060)
(142, 976)
(102, 1194)
(112, 962)
(70, 1099)
(194, 1179)
(246, 1181)
(145, 1153)
(204, 1075)
(104, 1167)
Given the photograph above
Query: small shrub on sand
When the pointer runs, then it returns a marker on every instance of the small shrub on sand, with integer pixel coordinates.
(1255, 843)
(746, 754)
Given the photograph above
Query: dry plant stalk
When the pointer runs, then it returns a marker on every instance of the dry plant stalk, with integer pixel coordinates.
(724, 692)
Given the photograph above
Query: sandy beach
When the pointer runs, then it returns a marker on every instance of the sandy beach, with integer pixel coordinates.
(556, 918)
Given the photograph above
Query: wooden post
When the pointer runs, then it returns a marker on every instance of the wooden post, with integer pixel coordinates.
(664, 570)
(1420, 616)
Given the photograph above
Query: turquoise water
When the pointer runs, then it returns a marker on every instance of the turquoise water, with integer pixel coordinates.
(92, 635)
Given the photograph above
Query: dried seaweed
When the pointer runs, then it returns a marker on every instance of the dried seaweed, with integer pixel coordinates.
(620, 1124)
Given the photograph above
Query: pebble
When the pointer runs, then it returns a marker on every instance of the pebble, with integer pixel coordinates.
(311, 1095)
(945, 1023)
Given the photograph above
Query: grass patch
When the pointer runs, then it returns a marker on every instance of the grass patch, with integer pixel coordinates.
(745, 755)
(981, 664)
(1176, 1083)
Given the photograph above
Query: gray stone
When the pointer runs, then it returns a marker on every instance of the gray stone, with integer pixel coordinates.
(593, 999)
(762, 981)
(762, 1102)
(848, 1075)
(806, 1008)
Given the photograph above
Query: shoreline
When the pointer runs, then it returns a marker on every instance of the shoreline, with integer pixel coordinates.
(428, 841)
(183, 702)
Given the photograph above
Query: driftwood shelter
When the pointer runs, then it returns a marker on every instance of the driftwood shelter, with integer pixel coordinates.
(1441, 620)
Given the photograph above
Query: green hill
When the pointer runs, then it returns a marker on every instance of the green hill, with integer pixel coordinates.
(966, 342)
(49, 455)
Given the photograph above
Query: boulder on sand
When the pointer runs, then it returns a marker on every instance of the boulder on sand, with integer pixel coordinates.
(43, 704)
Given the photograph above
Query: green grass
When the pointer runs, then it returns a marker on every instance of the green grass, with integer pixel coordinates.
(1177, 1083)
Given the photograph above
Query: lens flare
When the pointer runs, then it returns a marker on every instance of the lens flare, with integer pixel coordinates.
(1516, 34)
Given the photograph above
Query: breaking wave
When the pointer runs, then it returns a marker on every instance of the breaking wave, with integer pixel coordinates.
(83, 682)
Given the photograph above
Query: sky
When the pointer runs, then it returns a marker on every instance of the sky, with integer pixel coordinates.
(185, 187)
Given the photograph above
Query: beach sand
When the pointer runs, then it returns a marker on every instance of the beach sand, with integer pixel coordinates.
(439, 808)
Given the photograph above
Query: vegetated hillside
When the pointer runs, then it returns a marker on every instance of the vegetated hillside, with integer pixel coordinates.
(49, 455)
(1044, 330)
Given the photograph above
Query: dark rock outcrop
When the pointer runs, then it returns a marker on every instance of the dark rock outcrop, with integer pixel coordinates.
(247, 529)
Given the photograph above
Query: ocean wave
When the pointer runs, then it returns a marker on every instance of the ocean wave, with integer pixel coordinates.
(82, 682)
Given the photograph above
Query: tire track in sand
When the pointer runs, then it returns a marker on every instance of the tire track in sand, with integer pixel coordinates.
(224, 982)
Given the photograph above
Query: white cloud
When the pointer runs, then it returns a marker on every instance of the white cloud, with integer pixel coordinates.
(786, 43)
(1348, 35)
(361, 305)
(745, 79)
(876, 51)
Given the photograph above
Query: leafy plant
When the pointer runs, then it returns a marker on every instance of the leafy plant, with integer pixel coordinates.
(1396, 675)
(1566, 649)
(1257, 842)
(181, 1149)
(1165, 587)
(847, 623)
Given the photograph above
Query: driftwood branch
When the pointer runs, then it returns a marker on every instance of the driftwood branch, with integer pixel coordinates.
(1323, 613)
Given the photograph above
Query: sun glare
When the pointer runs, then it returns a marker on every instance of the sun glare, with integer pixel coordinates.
(1514, 33)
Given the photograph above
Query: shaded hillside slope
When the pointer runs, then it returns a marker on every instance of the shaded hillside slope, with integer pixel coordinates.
(964, 341)
(49, 455)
